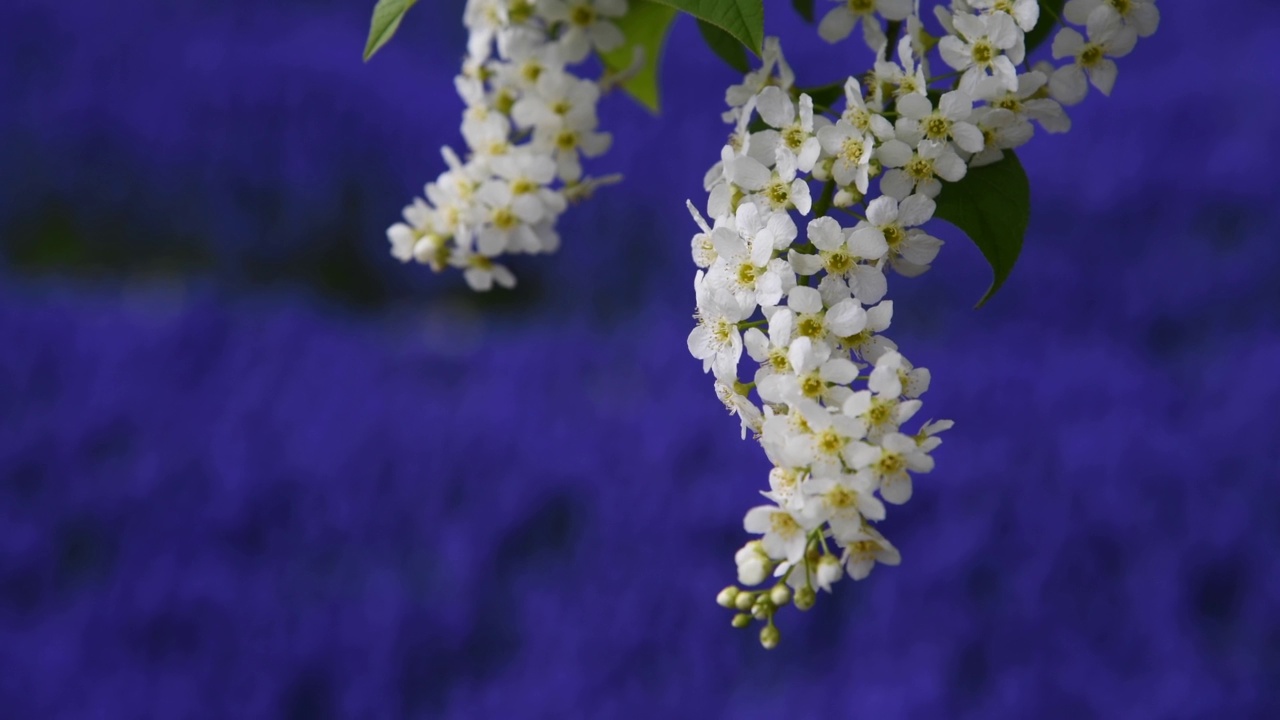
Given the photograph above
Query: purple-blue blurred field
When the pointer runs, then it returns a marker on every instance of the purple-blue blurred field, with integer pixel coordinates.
(250, 467)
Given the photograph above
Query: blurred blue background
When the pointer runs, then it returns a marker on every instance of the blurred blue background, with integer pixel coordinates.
(251, 467)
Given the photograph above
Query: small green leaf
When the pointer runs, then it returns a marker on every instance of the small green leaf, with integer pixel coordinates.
(645, 25)
(805, 8)
(743, 19)
(387, 15)
(992, 205)
(1050, 11)
(726, 46)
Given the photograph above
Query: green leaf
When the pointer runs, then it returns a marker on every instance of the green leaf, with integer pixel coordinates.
(387, 15)
(724, 45)
(743, 19)
(805, 8)
(645, 25)
(1050, 11)
(992, 205)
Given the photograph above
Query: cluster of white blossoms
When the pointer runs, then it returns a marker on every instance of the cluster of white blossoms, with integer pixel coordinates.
(527, 125)
(798, 280)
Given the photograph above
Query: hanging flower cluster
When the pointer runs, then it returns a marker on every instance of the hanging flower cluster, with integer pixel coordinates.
(528, 123)
(799, 282)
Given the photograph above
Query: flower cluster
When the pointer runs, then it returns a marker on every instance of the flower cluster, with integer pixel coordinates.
(832, 393)
(528, 123)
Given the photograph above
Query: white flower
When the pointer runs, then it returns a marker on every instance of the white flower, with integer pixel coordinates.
(737, 404)
(587, 25)
(771, 350)
(784, 487)
(530, 58)
(1106, 40)
(703, 249)
(868, 344)
(507, 218)
(795, 128)
(1024, 12)
(839, 22)
(812, 371)
(842, 319)
(898, 454)
(1028, 101)
(927, 438)
(716, 340)
(780, 190)
(843, 500)
(785, 532)
(906, 76)
(851, 149)
(857, 114)
(919, 121)
(737, 96)
(982, 48)
(481, 273)
(1001, 130)
(744, 266)
(567, 142)
(864, 550)
(1142, 15)
(841, 255)
(896, 224)
(560, 100)
(531, 173)
(918, 170)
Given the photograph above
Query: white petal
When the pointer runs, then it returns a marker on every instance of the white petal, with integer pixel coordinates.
(804, 299)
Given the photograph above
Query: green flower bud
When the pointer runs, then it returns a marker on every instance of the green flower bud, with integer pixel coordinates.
(744, 600)
(727, 596)
(780, 595)
(770, 636)
(805, 598)
(741, 620)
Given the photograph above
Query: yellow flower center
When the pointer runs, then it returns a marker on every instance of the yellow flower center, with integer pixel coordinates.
(504, 219)
(937, 128)
(890, 464)
(582, 15)
(983, 52)
(839, 262)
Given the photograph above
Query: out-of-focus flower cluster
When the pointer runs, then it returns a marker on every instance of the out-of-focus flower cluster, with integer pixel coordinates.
(528, 123)
(807, 304)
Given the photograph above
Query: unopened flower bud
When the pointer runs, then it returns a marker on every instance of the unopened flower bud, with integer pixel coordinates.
(805, 598)
(754, 565)
(727, 596)
(829, 571)
(741, 620)
(744, 600)
(780, 595)
(770, 636)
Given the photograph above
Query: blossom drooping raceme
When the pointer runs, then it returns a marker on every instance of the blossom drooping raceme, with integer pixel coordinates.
(797, 250)
(769, 250)
(528, 123)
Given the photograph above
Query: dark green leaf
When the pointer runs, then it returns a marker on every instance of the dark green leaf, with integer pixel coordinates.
(992, 205)
(805, 8)
(743, 19)
(1050, 11)
(645, 25)
(724, 45)
(386, 20)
